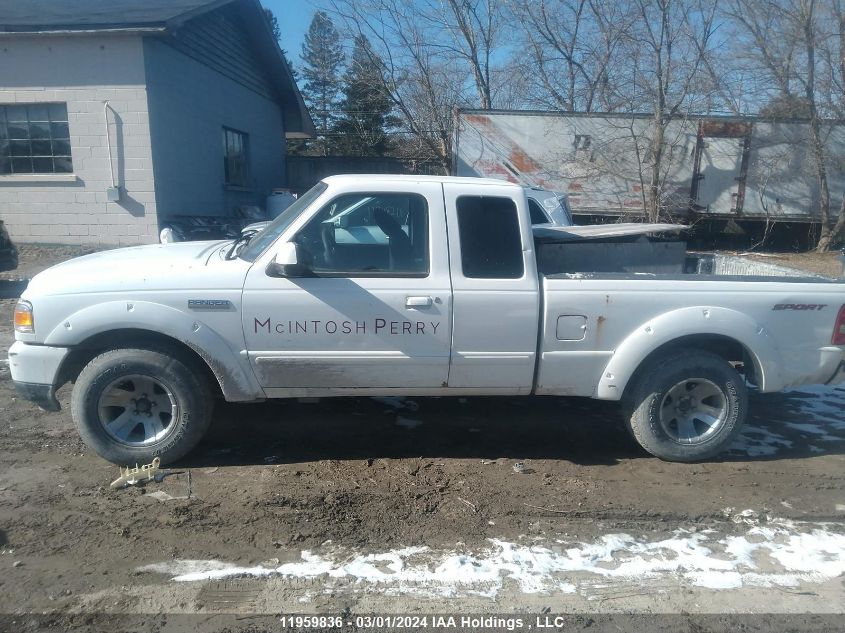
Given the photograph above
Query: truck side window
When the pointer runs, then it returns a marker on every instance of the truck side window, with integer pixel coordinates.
(491, 246)
(538, 216)
(368, 234)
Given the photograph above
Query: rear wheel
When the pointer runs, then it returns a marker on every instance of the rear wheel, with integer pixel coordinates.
(132, 405)
(686, 406)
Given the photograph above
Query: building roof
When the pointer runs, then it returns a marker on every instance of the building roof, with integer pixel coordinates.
(35, 16)
(43, 17)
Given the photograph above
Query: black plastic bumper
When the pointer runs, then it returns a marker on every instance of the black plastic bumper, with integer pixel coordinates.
(42, 395)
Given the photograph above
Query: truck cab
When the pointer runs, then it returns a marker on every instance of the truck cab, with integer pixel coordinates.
(380, 298)
(416, 286)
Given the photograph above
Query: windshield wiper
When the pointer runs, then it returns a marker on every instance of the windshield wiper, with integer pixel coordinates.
(242, 239)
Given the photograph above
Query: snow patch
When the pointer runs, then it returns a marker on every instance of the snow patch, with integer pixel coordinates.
(759, 442)
(818, 415)
(770, 552)
(825, 404)
(813, 429)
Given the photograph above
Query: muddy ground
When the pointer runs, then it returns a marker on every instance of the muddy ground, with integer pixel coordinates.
(448, 505)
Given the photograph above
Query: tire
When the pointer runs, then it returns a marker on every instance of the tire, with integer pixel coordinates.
(670, 407)
(132, 405)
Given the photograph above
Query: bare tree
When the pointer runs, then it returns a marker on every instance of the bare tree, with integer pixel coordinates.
(767, 41)
(668, 46)
(800, 57)
(805, 16)
(574, 50)
(511, 84)
(437, 55)
(832, 51)
(474, 34)
(669, 58)
(414, 76)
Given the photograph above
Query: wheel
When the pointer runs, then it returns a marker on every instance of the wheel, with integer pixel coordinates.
(131, 405)
(686, 406)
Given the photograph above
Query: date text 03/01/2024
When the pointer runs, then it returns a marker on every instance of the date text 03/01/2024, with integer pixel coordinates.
(380, 622)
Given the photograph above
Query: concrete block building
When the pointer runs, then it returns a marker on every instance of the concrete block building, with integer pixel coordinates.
(116, 115)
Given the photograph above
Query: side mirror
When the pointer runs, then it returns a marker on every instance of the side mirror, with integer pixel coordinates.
(287, 262)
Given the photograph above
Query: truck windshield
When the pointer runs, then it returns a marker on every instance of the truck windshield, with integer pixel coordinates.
(273, 230)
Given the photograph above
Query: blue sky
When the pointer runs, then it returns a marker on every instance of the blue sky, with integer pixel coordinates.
(294, 17)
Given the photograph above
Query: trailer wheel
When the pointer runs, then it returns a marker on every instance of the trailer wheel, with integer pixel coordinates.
(132, 405)
(686, 406)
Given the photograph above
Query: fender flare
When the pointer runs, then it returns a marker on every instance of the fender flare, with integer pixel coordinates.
(690, 321)
(237, 382)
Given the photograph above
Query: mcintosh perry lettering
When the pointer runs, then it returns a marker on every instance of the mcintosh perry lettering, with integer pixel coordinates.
(378, 326)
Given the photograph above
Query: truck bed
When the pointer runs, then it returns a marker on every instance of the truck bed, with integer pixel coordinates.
(694, 266)
(783, 317)
(637, 254)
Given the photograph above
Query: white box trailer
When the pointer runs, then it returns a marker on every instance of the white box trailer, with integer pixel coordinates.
(715, 167)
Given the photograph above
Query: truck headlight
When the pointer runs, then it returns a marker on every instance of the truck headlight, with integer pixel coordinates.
(24, 321)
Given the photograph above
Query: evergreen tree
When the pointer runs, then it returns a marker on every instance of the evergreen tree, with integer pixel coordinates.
(296, 146)
(366, 120)
(274, 23)
(322, 58)
(277, 34)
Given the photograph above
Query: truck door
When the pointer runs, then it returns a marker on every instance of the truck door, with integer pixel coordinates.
(374, 309)
(495, 288)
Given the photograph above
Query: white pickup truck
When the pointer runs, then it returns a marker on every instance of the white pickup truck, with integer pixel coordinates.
(416, 286)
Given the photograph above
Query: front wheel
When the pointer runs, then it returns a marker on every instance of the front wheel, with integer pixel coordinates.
(132, 405)
(686, 406)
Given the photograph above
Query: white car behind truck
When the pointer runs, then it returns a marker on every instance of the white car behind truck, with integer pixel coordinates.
(415, 286)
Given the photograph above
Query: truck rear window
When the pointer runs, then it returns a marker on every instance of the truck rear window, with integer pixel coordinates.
(491, 245)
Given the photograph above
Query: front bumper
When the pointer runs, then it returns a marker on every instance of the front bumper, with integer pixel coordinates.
(35, 371)
(42, 395)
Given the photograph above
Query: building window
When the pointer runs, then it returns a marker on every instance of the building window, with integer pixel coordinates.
(34, 139)
(236, 157)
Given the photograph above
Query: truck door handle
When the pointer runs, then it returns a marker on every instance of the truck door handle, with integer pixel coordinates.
(418, 302)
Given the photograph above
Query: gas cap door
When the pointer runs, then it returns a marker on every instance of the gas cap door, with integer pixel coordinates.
(571, 327)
